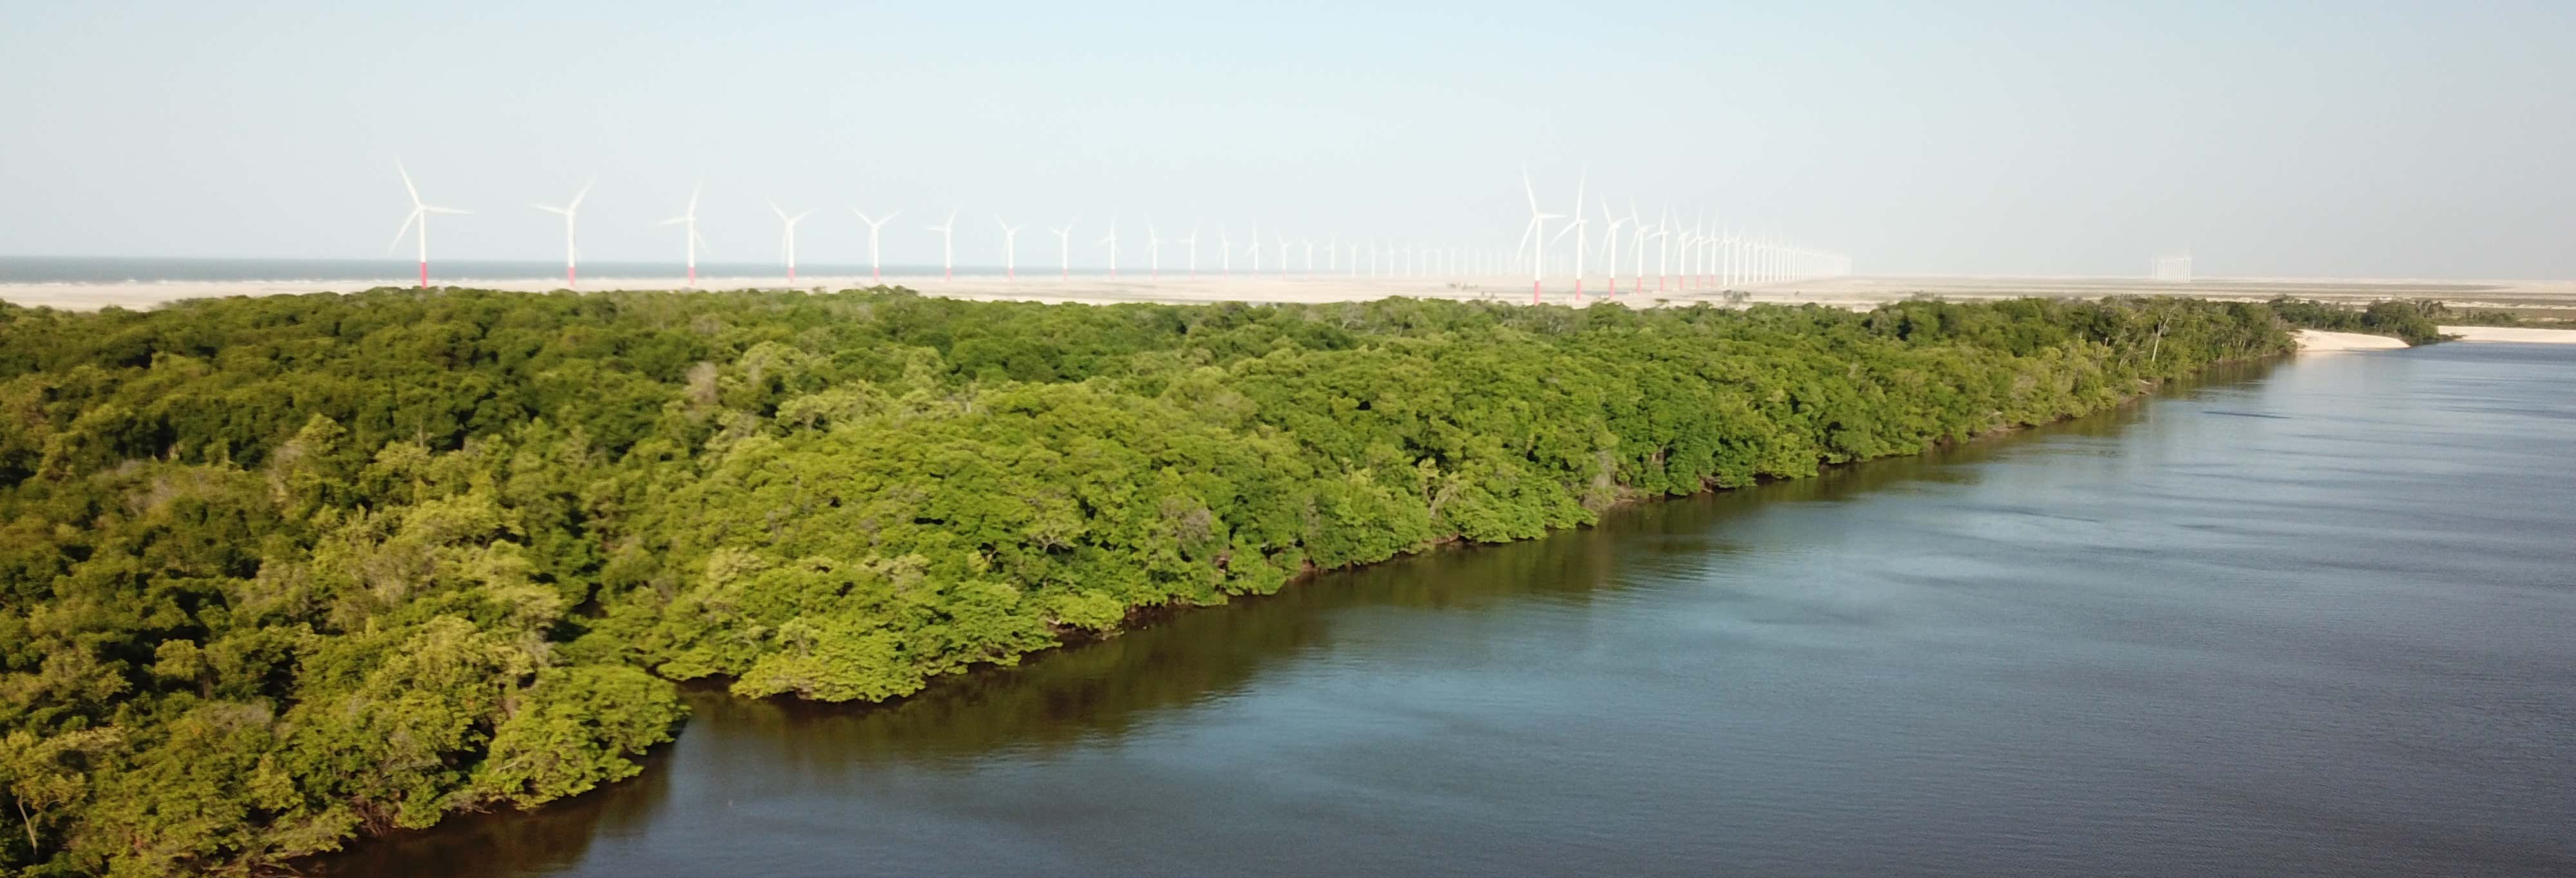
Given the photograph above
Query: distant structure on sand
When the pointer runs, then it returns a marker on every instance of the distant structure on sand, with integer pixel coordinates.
(2171, 269)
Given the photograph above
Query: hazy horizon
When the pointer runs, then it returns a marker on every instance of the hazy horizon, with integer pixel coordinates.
(2357, 140)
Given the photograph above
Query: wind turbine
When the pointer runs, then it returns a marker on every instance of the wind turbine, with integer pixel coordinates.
(1010, 248)
(1255, 248)
(1192, 242)
(1112, 241)
(1537, 229)
(1153, 250)
(1064, 247)
(1637, 236)
(572, 251)
(1610, 244)
(1664, 249)
(947, 230)
(876, 271)
(1282, 253)
(691, 237)
(1577, 228)
(1225, 251)
(787, 237)
(419, 214)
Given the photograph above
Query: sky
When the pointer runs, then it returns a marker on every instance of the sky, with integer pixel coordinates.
(2347, 139)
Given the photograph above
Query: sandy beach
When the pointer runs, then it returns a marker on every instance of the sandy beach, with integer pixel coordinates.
(2321, 341)
(2516, 335)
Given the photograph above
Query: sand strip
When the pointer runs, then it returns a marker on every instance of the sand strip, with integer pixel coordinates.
(2321, 340)
(2512, 334)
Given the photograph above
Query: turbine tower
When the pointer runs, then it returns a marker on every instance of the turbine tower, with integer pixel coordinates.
(1010, 249)
(690, 236)
(1225, 252)
(1537, 229)
(572, 251)
(419, 215)
(947, 230)
(1064, 248)
(1577, 228)
(1192, 242)
(1610, 244)
(876, 270)
(1153, 251)
(1112, 241)
(1664, 248)
(1637, 236)
(787, 237)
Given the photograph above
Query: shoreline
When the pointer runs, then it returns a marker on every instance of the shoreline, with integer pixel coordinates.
(1145, 616)
(2511, 334)
(2319, 341)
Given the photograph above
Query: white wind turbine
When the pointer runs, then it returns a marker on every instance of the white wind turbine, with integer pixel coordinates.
(1610, 244)
(1192, 243)
(1537, 229)
(1577, 227)
(1255, 248)
(1664, 247)
(1282, 253)
(572, 250)
(787, 237)
(1112, 241)
(690, 235)
(1637, 236)
(419, 215)
(1010, 248)
(876, 270)
(1153, 250)
(1064, 248)
(947, 230)
(1224, 252)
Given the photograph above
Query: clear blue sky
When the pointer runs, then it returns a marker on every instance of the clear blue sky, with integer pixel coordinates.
(2343, 138)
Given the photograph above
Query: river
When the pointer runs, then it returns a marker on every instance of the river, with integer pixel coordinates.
(2311, 618)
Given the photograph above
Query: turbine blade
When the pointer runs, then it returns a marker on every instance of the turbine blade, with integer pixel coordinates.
(1530, 191)
(578, 196)
(413, 217)
(407, 187)
(773, 208)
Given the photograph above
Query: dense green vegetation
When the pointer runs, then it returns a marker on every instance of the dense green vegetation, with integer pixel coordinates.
(2414, 321)
(278, 572)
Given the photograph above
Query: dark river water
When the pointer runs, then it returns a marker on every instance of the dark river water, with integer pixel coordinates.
(2306, 619)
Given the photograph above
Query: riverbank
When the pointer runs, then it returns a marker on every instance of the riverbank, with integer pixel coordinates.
(2322, 341)
(1911, 646)
(2511, 334)
(508, 521)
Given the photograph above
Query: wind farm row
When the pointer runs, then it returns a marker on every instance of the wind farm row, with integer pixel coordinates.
(1685, 257)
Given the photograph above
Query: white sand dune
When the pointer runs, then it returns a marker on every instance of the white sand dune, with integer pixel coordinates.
(2512, 334)
(2321, 340)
